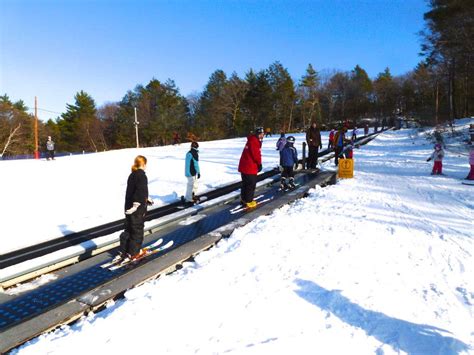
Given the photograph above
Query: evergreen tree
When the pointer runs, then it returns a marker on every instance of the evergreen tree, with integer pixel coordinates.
(258, 101)
(284, 97)
(79, 126)
(308, 97)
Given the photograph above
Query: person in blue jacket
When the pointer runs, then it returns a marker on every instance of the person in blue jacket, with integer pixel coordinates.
(288, 161)
(192, 172)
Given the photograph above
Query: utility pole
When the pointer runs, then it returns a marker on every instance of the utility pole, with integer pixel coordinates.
(136, 127)
(36, 129)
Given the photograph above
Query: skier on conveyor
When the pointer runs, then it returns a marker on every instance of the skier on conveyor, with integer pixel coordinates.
(288, 161)
(136, 200)
(192, 172)
(250, 165)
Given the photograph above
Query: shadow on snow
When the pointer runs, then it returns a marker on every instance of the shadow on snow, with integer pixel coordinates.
(399, 334)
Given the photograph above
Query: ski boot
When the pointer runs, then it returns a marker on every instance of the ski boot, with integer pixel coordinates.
(292, 184)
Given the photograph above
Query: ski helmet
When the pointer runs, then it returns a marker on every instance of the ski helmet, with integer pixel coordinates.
(195, 145)
(437, 146)
(259, 130)
(290, 139)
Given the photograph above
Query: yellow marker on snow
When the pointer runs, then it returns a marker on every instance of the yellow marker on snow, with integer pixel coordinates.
(346, 168)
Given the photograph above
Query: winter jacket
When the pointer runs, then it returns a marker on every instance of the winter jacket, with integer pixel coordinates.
(281, 143)
(288, 156)
(191, 167)
(251, 156)
(137, 189)
(471, 157)
(49, 145)
(313, 137)
(437, 155)
(339, 138)
(331, 135)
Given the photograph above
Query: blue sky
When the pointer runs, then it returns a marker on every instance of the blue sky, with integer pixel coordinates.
(54, 48)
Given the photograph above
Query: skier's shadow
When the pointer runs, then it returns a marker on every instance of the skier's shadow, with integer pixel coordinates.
(399, 334)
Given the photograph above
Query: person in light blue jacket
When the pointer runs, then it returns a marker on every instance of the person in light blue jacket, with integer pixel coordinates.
(192, 172)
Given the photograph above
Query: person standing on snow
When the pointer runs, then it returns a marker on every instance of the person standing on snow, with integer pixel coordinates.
(355, 132)
(438, 156)
(470, 176)
(288, 160)
(280, 144)
(49, 149)
(136, 200)
(250, 165)
(192, 172)
(339, 140)
(331, 139)
(313, 139)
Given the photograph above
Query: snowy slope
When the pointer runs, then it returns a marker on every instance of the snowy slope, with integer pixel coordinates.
(74, 193)
(379, 264)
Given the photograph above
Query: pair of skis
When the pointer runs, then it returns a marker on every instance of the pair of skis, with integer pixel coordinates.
(153, 248)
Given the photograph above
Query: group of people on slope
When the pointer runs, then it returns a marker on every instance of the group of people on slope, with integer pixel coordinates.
(438, 155)
(137, 199)
(250, 164)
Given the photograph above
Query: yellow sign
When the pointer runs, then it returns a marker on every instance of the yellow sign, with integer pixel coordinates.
(346, 168)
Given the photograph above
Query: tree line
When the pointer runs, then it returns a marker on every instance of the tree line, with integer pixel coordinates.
(438, 89)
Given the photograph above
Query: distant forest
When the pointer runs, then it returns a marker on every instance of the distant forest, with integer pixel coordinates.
(439, 89)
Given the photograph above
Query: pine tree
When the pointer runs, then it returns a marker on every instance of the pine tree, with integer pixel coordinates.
(79, 126)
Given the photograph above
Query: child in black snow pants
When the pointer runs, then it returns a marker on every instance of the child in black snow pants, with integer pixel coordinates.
(136, 200)
(288, 160)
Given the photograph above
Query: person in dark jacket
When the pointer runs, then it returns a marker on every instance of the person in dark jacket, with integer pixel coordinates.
(288, 161)
(192, 172)
(250, 165)
(49, 149)
(313, 139)
(339, 141)
(136, 200)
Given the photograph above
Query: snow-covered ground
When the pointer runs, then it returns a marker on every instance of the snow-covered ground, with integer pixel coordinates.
(74, 193)
(379, 264)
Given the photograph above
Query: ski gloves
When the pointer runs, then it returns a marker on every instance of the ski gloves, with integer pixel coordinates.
(259, 167)
(132, 209)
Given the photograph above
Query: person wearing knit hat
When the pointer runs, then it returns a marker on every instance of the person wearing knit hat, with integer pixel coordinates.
(192, 172)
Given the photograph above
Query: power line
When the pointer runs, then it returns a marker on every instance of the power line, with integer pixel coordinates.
(42, 109)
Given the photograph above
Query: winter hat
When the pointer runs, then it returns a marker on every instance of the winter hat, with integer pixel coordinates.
(259, 130)
(195, 145)
(437, 146)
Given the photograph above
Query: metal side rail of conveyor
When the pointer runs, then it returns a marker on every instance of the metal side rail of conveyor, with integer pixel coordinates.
(37, 266)
(34, 251)
(88, 285)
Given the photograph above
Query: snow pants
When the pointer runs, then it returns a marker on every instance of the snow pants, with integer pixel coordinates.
(132, 240)
(437, 167)
(312, 156)
(50, 154)
(191, 188)
(248, 187)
